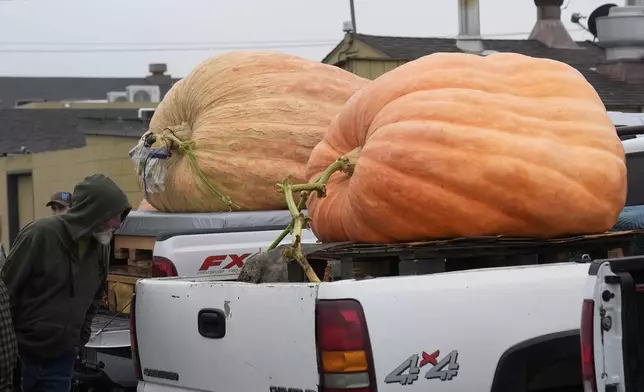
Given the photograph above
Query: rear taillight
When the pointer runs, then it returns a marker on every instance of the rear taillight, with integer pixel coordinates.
(587, 346)
(344, 349)
(162, 267)
(133, 343)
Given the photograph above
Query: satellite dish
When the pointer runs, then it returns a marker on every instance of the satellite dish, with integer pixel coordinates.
(600, 11)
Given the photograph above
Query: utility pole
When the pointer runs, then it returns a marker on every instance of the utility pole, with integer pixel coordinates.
(353, 16)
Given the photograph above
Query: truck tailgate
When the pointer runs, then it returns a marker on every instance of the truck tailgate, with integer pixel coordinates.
(612, 338)
(268, 335)
(447, 332)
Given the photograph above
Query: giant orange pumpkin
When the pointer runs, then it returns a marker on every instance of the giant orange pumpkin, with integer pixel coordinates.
(461, 145)
(249, 119)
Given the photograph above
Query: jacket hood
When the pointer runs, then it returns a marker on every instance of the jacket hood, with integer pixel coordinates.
(96, 199)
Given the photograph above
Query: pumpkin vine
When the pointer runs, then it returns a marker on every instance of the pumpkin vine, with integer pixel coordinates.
(345, 164)
(187, 147)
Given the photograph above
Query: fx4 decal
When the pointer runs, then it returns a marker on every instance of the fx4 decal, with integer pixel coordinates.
(444, 370)
(285, 389)
(216, 261)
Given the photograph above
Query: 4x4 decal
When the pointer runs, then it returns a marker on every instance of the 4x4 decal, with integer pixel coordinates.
(408, 371)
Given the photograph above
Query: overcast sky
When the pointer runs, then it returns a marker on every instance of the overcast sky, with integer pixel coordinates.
(117, 37)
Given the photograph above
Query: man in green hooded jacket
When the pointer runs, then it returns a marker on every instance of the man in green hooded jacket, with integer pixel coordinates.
(55, 275)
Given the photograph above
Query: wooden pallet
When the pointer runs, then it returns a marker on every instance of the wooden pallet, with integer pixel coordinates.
(356, 261)
(134, 251)
(132, 261)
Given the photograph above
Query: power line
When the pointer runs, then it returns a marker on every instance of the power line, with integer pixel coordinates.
(131, 43)
(506, 34)
(525, 33)
(186, 46)
(177, 49)
(209, 43)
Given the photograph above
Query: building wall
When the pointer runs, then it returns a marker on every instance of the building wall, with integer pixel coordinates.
(351, 47)
(357, 57)
(61, 170)
(371, 68)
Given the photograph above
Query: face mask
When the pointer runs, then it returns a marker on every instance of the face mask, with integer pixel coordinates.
(104, 237)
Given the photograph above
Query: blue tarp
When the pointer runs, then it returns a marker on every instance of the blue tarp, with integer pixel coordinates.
(632, 218)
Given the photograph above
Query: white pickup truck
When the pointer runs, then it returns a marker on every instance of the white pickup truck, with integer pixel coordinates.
(484, 314)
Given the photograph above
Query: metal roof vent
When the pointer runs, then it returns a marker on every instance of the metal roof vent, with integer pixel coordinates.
(621, 33)
(469, 32)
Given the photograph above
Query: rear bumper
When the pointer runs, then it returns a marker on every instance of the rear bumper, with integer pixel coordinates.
(116, 367)
(152, 387)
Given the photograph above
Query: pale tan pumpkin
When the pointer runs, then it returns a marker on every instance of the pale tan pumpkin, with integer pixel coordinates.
(461, 145)
(251, 118)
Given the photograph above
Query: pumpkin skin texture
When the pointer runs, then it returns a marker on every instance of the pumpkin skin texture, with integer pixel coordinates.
(253, 118)
(458, 145)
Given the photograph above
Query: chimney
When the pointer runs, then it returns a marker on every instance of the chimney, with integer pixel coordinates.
(549, 29)
(158, 69)
(469, 32)
(621, 34)
(159, 77)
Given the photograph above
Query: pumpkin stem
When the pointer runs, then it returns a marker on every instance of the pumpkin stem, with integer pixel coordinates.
(345, 164)
(170, 135)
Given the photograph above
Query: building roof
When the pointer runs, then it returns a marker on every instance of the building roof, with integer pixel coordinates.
(41, 130)
(13, 89)
(109, 122)
(613, 93)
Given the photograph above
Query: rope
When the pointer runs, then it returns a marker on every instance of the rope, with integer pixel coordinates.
(187, 147)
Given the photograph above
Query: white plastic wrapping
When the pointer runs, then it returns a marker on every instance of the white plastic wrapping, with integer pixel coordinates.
(150, 164)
